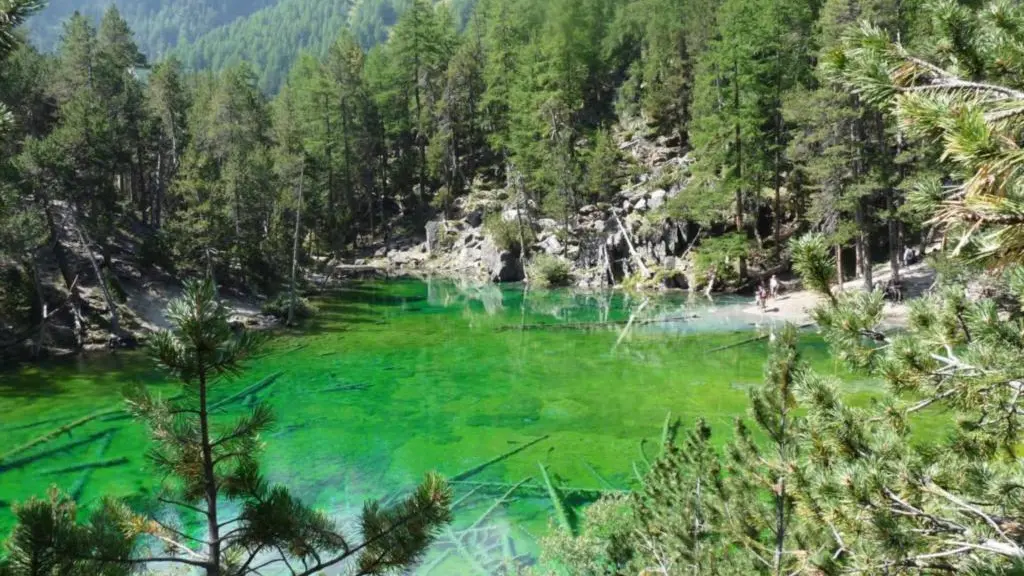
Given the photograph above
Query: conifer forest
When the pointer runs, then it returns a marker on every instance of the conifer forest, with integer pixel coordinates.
(511, 287)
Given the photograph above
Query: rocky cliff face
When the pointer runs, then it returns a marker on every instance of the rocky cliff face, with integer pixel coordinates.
(630, 237)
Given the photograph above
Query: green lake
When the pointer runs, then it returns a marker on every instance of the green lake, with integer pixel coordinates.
(393, 379)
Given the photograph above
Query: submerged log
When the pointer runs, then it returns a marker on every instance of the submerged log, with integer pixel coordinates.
(79, 486)
(26, 460)
(556, 500)
(499, 458)
(593, 471)
(52, 434)
(504, 498)
(752, 340)
(346, 388)
(595, 325)
(247, 391)
(108, 463)
(537, 489)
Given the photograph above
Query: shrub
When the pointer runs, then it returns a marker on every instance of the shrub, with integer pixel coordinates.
(547, 270)
(719, 254)
(155, 251)
(278, 307)
(506, 235)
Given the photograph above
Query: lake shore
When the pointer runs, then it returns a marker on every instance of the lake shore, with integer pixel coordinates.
(796, 306)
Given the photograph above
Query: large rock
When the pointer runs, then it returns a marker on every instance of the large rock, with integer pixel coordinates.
(657, 199)
(475, 218)
(512, 215)
(500, 265)
(641, 205)
(547, 223)
(434, 232)
(551, 245)
(507, 267)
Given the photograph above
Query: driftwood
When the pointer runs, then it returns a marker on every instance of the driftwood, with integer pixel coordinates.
(249, 390)
(26, 460)
(467, 473)
(346, 388)
(593, 471)
(497, 503)
(556, 500)
(53, 434)
(632, 250)
(595, 325)
(632, 318)
(79, 486)
(752, 340)
(108, 463)
(533, 488)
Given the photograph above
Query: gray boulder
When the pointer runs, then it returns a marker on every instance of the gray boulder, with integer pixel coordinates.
(475, 218)
(507, 267)
(657, 199)
(551, 245)
(512, 215)
(434, 232)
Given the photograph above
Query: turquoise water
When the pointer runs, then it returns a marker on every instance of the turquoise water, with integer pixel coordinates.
(393, 379)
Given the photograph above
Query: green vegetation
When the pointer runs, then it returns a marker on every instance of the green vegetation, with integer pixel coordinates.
(818, 131)
(508, 234)
(278, 307)
(207, 461)
(550, 271)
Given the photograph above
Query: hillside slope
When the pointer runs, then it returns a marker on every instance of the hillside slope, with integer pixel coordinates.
(159, 25)
(215, 34)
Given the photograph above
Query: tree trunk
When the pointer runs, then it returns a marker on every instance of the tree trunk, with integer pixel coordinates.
(331, 200)
(839, 266)
(738, 143)
(864, 247)
(894, 236)
(209, 480)
(41, 299)
(295, 245)
(75, 302)
(158, 198)
(115, 323)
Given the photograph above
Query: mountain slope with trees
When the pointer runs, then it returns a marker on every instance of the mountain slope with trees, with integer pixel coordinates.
(802, 135)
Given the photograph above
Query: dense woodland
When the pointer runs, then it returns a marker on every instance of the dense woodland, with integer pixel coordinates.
(528, 92)
(818, 130)
(211, 34)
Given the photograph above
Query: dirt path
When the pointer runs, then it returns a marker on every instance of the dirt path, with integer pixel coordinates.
(795, 306)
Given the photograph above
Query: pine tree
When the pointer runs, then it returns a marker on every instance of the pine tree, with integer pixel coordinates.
(12, 14)
(168, 104)
(951, 100)
(212, 463)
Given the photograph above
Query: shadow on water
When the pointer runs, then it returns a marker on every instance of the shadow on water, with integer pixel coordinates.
(27, 384)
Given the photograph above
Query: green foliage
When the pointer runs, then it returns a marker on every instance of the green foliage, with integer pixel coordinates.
(507, 234)
(17, 296)
(206, 463)
(720, 255)
(550, 271)
(278, 307)
(49, 539)
(814, 263)
(604, 172)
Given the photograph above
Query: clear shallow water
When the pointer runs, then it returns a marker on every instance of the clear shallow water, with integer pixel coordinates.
(394, 379)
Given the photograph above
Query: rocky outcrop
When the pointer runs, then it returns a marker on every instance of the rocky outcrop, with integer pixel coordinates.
(630, 236)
